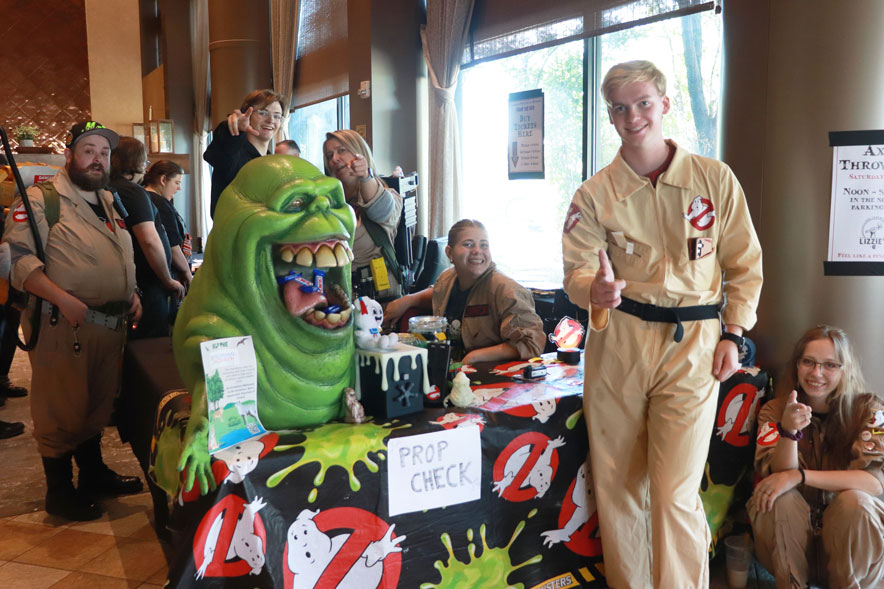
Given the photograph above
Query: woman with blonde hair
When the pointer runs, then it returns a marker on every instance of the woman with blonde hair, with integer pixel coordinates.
(820, 449)
(378, 207)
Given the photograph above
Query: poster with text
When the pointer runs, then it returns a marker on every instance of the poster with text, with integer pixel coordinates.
(856, 218)
(525, 145)
(231, 372)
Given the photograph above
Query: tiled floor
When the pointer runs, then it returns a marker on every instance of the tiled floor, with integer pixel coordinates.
(38, 550)
(120, 549)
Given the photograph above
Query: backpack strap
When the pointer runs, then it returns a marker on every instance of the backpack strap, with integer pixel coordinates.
(51, 200)
(382, 240)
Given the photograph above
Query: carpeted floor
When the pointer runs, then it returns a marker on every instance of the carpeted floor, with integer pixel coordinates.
(22, 485)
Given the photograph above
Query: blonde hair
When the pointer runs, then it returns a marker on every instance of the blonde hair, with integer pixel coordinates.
(630, 72)
(355, 144)
(459, 227)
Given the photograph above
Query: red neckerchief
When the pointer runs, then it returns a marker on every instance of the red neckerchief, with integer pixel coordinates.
(656, 173)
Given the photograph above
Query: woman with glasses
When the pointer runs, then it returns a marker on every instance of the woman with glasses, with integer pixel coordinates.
(245, 135)
(818, 515)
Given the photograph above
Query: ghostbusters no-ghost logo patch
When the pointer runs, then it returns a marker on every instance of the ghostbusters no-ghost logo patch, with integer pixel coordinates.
(701, 213)
(19, 215)
(573, 217)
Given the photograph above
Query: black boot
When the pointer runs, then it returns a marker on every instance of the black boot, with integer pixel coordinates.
(96, 479)
(61, 497)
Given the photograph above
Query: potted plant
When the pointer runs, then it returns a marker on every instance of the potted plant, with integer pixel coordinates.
(25, 135)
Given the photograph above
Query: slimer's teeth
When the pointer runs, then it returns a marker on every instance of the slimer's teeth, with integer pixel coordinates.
(345, 314)
(341, 256)
(325, 258)
(287, 255)
(304, 257)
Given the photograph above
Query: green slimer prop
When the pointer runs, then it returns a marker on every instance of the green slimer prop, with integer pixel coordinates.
(279, 215)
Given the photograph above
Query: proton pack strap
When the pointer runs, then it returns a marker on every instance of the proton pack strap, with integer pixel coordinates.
(51, 206)
(380, 239)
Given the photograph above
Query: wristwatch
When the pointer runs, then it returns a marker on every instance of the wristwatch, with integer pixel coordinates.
(369, 177)
(733, 337)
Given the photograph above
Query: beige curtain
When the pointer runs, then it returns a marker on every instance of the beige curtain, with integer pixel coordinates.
(443, 38)
(283, 43)
(201, 223)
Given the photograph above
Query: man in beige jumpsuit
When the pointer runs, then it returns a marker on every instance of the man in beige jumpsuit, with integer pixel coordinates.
(671, 222)
(87, 283)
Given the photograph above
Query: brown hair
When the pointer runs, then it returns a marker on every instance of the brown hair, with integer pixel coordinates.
(261, 99)
(848, 398)
(458, 228)
(159, 169)
(127, 158)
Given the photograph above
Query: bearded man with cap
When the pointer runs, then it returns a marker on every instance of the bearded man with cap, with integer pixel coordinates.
(87, 284)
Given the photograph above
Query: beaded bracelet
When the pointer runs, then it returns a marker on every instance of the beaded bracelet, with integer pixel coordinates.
(787, 434)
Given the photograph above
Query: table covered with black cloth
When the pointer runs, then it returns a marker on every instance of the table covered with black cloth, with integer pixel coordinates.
(309, 507)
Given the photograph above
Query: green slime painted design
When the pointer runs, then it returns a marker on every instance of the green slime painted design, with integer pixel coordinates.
(573, 419)
(337, 444)
(486, 570)
(302, 369)
(716, 501)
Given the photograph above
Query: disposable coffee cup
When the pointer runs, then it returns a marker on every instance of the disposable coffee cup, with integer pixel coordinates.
(738, 551)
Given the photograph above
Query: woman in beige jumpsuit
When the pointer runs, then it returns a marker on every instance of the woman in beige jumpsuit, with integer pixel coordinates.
(818, 514)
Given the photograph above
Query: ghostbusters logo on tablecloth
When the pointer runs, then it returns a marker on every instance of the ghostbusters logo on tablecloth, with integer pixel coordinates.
(701, 213)
(578, 520)
(341, 547)
(232, 464)
(231, 540)
(525, 469)
(767, 434)
(573, 217)
(453, 419)
(737, 414)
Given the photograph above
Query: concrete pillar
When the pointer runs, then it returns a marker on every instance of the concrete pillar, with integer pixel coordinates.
(824, 66)
(239, 53)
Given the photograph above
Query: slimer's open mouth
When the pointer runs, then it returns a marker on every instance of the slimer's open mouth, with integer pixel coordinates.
(310, 278)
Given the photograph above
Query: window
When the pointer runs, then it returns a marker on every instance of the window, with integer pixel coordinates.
(524, 217)
(309, 124)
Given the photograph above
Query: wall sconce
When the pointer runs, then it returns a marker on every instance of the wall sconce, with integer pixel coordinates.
(161, 134)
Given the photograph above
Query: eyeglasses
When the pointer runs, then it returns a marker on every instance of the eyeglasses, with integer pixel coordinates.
(811, 364)
(262, 112)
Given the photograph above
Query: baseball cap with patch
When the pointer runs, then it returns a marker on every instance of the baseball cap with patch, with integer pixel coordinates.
(86, 128)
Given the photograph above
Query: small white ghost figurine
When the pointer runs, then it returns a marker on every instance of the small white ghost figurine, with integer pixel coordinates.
(353, 410)
(368, 319)
(461, 394)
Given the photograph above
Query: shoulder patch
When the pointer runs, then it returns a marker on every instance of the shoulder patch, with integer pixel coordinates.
(572, 218)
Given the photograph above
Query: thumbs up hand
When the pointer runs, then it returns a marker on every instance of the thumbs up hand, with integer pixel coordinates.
(796, 416)
(605, 290)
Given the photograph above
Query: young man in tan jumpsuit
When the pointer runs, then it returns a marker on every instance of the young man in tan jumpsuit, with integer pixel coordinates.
(671, 222)
(87, 284)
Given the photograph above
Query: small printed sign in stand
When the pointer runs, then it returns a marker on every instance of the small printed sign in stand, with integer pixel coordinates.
(231, 372)
(434, 470)
(856, 218)
(525, 145)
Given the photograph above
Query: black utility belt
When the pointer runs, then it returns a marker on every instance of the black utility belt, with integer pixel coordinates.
(655, 314)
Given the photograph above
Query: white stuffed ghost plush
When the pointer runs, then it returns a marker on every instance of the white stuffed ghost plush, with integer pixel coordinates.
(368, 319)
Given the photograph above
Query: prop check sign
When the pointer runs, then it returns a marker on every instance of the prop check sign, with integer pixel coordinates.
(434, 470)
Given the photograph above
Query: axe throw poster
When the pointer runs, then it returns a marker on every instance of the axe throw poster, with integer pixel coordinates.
(856, 217)
(525, 145)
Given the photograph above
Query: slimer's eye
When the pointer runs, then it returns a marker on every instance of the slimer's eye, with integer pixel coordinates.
(296, 205)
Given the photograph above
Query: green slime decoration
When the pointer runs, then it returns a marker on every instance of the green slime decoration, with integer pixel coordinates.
(489, 569)
(337, 444)
(716, 501)
(302, 369)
